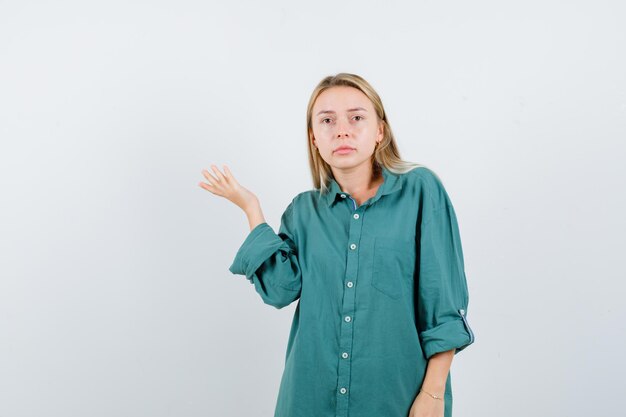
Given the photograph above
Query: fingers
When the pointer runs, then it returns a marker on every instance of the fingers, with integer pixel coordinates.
(220, 176)
(227, 172)
(209, 177)
(207, 187)
(218, 180)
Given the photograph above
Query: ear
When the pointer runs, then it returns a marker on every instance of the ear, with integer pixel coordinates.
(381, 130)
(312, 138)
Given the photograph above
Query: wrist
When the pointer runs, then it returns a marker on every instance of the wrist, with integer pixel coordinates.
(436, 395)
(251, 206)
(434, 388)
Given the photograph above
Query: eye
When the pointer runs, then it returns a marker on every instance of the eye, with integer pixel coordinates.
(360, 117)
(323, 120)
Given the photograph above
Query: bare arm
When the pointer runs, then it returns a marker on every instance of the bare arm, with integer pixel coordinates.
(434, 383)
(255, 215)
(437, 372)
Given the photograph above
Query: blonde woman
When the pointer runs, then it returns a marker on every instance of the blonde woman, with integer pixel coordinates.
(373, 255)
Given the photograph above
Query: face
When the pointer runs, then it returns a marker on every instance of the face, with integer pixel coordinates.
(344, 117)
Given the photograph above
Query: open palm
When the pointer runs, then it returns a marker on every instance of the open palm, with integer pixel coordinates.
(225, 185)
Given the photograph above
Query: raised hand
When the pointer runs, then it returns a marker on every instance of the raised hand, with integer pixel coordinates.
(225, 185)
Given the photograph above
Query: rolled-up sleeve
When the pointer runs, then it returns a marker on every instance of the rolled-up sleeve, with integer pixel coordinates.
(441, 283)
(269, 260)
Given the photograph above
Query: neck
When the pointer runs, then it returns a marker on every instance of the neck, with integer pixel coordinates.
(358, 180)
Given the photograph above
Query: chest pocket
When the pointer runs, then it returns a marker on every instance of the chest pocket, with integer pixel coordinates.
(393, 265)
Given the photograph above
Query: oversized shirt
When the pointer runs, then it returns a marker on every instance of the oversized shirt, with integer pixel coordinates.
(381, 287)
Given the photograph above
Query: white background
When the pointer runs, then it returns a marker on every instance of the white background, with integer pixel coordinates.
(115, 294)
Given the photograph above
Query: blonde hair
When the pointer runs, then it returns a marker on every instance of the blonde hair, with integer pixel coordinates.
(386, 153)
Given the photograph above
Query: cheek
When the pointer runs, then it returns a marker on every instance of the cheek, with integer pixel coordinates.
(316, 132)
(322, 129)
(366, 128)
(322, 136)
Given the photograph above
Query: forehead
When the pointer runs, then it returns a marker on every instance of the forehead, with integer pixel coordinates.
(341, 98)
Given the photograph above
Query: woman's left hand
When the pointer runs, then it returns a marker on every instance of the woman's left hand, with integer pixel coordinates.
(426, 406)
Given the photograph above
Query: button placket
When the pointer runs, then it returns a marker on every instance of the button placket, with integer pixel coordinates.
(347, 308)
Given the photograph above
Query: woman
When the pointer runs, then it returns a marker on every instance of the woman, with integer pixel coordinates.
(373, 254)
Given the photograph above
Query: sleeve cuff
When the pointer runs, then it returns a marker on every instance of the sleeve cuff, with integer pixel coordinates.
(258, 246)
(453, 334)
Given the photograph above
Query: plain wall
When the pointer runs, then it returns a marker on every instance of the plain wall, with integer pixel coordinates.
(115, 294)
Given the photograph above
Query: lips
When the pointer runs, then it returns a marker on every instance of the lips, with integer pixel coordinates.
(343, 148)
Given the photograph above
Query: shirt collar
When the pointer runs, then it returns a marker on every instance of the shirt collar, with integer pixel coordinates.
(391, 184)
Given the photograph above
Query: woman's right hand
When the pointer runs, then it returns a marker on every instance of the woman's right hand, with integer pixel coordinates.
(225, 185)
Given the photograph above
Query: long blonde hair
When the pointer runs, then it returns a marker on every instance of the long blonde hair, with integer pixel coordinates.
(386, 153)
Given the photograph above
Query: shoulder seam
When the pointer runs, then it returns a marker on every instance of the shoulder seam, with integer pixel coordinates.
(425, 185)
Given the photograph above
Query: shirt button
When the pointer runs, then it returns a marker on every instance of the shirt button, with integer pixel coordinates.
(343, 196)
(353, 246)
(347, 319)
(344, 355)
(356, 215)
(343, 390)
(462, 311)
(349, 284)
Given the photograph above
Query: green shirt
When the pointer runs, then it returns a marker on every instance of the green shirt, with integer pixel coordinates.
(381, 287)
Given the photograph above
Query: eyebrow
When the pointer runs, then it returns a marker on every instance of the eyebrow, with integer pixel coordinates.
(349, 110)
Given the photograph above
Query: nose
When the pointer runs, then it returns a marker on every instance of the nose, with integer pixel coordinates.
(341, 129)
